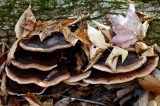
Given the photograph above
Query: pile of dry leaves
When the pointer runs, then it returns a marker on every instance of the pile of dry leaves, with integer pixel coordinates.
(75, 62)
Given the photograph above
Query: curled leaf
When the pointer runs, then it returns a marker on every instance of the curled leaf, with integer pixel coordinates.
(140, 46)
(25, 23)
(106, 30)
(152, 103)
(97, 38)
(150, 83)
(12, 50)
(93, 51)
(3, 88)
(149, 52)
(144, 30)
(66, 32)
(80, 34)
(116, 52)
(143, 100)
(79, 19)
(156, 48)
(32, 99)
(93, 61)
(127, 28)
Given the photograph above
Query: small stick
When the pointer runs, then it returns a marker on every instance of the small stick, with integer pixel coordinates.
(87, 101)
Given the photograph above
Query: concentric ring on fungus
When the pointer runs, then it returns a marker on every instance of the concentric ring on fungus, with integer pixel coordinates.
(38, 60)
(41, 78)
(14, 88)
(53, 42)
(132, 62)
(101, 77)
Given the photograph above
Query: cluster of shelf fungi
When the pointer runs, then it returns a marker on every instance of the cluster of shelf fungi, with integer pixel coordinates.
(50, 53)
(40, 64)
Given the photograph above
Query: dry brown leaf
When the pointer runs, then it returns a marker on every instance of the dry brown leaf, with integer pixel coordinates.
(112, 58)
(142, 16)
(72, 39)
(97, 38)
(67, 21)
(32, 99)
(44, 29)
(143, 100)
(93, 51)
(85, 48)
(156, 48)
(3, 87)
(149, 52)
(66, 32)
(2, 66)
(140, 46)
(63, 102)
(144, 30)
(79, 19)
(121, 93)
(156, 74)
(125, 99)
(48, 102)
(150, 83)
(12, 50)
(106, 30)
(79, 61)
(5, 48)
(80, 34)
(93, 61)
(158, 100)
(27, 18)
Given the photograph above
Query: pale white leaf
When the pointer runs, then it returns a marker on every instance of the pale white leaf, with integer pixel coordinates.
(106, 30)
(149, 52)
(140, 46)
(116, 52)
(143, 100)
(96, 37)
(144, 30)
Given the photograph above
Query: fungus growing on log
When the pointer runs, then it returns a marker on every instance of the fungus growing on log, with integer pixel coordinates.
(20, 89)
(132, 62)
(38, 60)
(51, 43)
(101, 77)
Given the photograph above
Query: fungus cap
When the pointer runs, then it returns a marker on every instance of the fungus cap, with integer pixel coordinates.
(51, 43)
(132, 62)
(100, 77)
(38, 60)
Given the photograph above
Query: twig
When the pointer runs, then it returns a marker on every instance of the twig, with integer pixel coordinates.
(66, 90)
(87, 101)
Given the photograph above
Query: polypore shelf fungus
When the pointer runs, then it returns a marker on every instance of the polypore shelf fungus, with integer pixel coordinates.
(74, 52)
